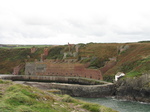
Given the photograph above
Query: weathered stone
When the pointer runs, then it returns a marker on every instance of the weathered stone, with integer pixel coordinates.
(62, 69)
(84, 90)
(16, 69)
(137, 89)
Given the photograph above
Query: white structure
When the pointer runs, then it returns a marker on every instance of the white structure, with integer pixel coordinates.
(118, 75)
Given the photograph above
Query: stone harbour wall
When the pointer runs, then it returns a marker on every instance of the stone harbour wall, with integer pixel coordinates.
(84, 90)
(88, 87)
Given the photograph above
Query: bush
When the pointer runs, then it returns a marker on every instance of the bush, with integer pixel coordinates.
(19, 99)
(91, 107)
(109, 78)
(55, 52)
(97, 63)
(127, 67)
(23, 108)
(68, 98)
(4, 82)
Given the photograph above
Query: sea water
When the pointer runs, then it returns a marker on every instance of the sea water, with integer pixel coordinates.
(120, 105)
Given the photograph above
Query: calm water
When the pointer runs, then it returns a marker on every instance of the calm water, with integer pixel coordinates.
(120, 105)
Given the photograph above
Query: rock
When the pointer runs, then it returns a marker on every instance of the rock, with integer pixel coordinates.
(136, 89)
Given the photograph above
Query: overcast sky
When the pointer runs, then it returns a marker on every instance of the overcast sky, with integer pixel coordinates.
(74, 21)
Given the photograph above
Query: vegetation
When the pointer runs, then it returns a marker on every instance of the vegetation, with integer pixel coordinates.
(22, 46)
(144, 41)
(55, 52)
(21, 98)
(133, 61)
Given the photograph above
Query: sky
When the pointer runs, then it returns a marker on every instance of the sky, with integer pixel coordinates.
(74, 21)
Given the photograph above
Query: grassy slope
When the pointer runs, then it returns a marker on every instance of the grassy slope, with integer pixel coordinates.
(9, 58)
(21, 98)
(134, 61)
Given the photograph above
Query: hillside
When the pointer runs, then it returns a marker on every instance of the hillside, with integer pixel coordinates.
(21, 98)
(130, 58)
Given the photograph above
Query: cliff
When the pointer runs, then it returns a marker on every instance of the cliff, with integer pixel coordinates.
(136, 89)
(131, 58)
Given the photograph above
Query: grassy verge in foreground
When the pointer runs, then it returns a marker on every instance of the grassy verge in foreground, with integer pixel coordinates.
(21, 98)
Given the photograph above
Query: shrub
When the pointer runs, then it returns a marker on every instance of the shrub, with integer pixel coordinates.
(68, 98)
(109, 78)
(19, 99)
(55, 52)
(127, 67)
(97, 63)
(91, 107)
(4, 82)
(23, 108)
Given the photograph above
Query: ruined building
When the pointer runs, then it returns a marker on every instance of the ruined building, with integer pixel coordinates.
(51, 68)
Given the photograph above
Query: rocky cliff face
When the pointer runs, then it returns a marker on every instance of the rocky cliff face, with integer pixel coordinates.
(137, 89)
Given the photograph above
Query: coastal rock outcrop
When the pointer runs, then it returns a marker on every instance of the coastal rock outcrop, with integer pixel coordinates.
(135, 89)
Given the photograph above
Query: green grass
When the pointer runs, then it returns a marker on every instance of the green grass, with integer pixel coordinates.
(133, 74)
(91, 107)
(4, 82)
(21, 98)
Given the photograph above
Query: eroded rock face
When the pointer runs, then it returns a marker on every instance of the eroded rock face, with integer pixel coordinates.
(137, 89)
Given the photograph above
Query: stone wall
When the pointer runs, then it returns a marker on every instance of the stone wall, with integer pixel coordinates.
(89, 87)
(84, 90)
(48, 68)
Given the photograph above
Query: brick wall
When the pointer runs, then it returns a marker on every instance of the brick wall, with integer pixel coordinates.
(46, 51)
(63, 69)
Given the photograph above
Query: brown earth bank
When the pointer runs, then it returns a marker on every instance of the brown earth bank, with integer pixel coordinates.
(135, 89)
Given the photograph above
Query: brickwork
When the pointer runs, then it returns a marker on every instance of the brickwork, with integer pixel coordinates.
(30, 68)
(42, 57)
(44, 54)
(49, 68)
(45, 51)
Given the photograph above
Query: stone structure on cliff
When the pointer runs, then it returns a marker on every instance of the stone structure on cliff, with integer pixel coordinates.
(16, 69)
(53, 68)
(72, 51)
(44, 54)
(123, 48)
(33, 49)
(45, 51)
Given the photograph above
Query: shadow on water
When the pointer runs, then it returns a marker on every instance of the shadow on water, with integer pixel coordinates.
(120, 105)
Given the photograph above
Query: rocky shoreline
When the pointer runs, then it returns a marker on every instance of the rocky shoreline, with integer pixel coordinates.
(134, 89)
